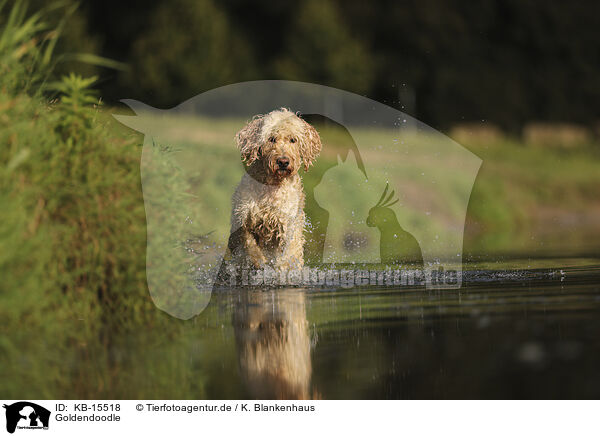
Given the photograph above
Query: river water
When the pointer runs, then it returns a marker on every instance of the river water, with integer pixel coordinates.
(506, 333)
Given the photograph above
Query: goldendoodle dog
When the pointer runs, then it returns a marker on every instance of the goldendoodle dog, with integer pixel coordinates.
(267, 218)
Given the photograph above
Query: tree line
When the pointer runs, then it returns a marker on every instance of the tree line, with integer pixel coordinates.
(443, 61)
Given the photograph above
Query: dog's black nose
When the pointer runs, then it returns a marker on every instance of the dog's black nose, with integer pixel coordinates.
(283, 162)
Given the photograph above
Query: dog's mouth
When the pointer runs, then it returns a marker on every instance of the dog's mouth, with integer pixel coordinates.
(283, 172)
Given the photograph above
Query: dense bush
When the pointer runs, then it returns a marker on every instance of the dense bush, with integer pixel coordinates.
(72, 235)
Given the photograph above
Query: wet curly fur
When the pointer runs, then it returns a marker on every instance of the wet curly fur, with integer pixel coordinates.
(267, 218)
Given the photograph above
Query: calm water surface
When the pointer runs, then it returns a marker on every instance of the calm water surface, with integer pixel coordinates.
(532, 333)
(528, 334)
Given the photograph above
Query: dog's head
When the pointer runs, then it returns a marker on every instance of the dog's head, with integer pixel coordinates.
(278, 142)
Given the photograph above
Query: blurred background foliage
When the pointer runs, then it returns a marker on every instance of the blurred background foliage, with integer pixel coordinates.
(503, 61)
(186, 45)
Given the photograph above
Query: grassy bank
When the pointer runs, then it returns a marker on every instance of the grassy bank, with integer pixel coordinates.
(72, 236)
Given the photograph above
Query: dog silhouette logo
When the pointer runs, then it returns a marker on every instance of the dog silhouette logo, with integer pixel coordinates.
(191, 165)
(26, 415)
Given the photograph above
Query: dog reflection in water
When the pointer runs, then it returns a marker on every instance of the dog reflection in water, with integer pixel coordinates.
(273, 344)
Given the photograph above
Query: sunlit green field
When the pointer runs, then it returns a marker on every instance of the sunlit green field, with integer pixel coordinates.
(526, 201)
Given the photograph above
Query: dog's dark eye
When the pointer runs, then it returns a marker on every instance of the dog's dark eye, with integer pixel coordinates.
(293, 140)
(272, 139)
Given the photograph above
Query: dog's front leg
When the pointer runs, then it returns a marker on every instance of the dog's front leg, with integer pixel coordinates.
(255, 254)
(243, 243)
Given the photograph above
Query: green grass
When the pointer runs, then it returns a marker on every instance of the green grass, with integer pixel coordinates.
(72, 236)
(525, 200)
(534, 201)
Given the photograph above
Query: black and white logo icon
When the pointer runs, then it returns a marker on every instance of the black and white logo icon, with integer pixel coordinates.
(26, 415)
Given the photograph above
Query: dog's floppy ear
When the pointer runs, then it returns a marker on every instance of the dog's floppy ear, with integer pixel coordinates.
(310, 145)
(249, 140)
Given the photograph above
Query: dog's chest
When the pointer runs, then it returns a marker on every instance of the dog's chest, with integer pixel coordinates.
(282, 202)
(272, 210)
